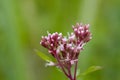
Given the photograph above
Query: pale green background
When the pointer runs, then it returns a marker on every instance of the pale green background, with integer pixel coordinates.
(23, 22)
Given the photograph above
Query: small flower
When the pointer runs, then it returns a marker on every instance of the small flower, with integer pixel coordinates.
(66, 49)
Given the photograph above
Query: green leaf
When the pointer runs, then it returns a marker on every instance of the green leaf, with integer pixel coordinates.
(43, 56)
(78, 72)
(58, 69)
(90, 70)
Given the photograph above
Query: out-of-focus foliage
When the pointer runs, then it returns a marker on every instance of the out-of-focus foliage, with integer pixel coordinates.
(23, 22)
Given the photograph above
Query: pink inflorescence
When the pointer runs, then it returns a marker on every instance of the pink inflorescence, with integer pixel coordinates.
(67, 49)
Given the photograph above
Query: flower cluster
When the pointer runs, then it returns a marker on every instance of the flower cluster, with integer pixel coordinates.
(66, 49)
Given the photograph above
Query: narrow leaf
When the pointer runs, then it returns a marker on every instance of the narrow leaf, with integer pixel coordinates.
(43, 56)
(58, 69)
(90, 70)
(78, 72)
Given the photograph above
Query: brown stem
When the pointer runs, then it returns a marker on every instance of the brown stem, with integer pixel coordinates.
(69, 71)
(75, 71)
(61, 66)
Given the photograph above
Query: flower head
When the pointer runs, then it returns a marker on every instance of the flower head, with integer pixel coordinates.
(51, 42)
(67, 49)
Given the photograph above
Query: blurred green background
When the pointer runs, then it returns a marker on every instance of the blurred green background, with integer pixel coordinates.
(23, 22)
